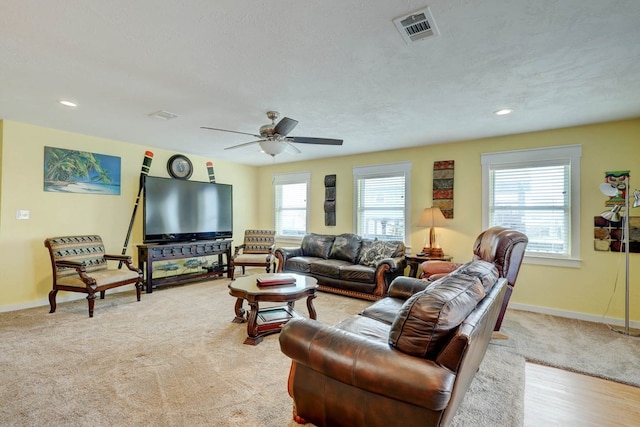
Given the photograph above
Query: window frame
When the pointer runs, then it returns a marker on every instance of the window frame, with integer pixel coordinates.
(381, 171)
(290, 178)
(536, 157)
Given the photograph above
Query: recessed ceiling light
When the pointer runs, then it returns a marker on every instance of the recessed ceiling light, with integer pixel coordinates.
(68, 103)
(503, 112)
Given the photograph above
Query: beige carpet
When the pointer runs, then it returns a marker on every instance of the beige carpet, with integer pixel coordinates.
(175, 359)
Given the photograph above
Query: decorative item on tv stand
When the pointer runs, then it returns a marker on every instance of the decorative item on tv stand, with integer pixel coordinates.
(432, 218)
(616, 214)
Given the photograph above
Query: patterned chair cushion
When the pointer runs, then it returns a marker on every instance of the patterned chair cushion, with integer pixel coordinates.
(259, 241)
(87, 249)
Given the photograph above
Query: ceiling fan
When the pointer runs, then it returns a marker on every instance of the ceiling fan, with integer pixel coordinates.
(274, 137)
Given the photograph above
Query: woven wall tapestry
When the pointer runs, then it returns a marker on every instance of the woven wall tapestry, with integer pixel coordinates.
(443, 187)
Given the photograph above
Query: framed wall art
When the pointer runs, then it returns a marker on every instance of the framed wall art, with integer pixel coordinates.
(72, 171)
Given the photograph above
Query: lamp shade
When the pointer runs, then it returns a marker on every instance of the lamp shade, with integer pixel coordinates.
(608, 189)
(613, 214)
(432, 217)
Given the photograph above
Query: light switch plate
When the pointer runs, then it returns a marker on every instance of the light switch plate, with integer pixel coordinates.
(22, 214)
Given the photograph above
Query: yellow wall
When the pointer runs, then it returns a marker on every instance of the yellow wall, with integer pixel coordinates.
(584, 291)
(25, 278)
(25, 270)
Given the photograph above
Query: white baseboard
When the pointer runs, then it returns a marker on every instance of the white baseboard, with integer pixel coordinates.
(613, 321)
(62, 297)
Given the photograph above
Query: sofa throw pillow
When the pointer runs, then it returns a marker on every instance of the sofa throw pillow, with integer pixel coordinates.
(317, 245)
(346, 247)
(373, 251)
(428, 318)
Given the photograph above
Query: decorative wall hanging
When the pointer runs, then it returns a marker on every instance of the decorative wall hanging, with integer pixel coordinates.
(330, 200)
(619, 180)
(443, 187)
(71, 171)
(609, 237)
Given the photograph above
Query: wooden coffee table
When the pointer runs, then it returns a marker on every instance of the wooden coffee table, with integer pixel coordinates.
(269, 320)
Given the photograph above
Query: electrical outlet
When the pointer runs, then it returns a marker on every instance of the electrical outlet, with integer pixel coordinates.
(22, 214)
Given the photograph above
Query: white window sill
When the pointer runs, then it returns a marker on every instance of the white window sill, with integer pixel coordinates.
(552, 261)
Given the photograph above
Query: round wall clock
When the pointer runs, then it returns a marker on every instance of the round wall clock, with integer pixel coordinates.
(180, 167)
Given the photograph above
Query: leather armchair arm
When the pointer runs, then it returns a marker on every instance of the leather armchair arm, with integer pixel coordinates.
(403, 287)
(366, 364)
(437, 268)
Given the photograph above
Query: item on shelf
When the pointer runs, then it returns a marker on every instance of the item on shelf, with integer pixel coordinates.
(275, 279)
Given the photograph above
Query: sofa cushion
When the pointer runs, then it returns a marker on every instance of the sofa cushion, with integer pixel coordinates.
(317, 245)
(346, 247)
(358, 273)
(300, 263)
(483, 270)
(427, 319)
(327, 267)
(373, 251)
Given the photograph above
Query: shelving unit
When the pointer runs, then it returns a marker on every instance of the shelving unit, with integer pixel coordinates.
(148, 254)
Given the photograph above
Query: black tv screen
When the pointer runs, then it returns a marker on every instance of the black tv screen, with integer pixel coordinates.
(177, 210)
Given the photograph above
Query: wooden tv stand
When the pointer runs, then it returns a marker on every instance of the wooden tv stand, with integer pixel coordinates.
(148, 254)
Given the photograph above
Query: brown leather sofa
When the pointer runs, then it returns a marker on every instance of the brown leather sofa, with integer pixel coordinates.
(406, 360)
(346, 264)
(504, 247)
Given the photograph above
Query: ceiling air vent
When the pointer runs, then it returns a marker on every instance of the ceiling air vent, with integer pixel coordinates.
(163, 115)
(417, 26)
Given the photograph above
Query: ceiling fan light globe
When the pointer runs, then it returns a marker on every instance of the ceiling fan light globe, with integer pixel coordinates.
(272, 148)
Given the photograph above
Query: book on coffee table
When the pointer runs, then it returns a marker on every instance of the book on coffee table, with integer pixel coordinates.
(275, 279)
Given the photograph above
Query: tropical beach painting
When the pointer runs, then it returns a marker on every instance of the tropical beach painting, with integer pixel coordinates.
(71, 171)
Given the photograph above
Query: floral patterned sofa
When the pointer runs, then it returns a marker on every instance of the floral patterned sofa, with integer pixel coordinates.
(346, 264)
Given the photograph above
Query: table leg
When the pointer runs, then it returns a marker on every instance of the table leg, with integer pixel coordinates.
(240, 312)
(413, 269)
(310, 307)
(252, 327)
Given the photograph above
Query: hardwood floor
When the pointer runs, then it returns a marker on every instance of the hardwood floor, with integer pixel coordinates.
(554, 397)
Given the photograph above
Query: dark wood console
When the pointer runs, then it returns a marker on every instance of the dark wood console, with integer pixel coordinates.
(148, 254)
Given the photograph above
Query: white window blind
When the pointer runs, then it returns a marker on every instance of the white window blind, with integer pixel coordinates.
(534, 191)
(291, 204)
(381, 206)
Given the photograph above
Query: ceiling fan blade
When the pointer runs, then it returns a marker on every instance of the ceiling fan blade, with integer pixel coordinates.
(285, 126)
(243, 145)
(323, 141)
(293, 147)
(231, 131)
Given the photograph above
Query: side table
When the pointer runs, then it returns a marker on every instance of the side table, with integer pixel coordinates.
(414, 262)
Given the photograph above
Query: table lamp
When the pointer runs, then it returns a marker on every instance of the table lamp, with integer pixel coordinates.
(432, 217)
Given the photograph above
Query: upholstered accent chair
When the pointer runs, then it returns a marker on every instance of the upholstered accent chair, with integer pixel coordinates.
(79, 264)
(255, 251)
(501, 246)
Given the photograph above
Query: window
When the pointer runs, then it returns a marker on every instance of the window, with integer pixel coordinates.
(538, 193)
(291, 204)
(382, 201)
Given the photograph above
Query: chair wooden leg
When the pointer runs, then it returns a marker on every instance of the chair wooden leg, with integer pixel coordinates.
(102, 294)
(52, 300)
(91, 298)
(138, 290)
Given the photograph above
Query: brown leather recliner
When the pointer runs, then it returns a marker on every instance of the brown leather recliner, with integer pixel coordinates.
(501, 246)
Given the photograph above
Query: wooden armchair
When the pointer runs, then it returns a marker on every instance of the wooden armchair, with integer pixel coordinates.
(257, 251)
(79, 264)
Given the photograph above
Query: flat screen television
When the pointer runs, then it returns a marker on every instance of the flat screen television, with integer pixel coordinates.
(177, 210)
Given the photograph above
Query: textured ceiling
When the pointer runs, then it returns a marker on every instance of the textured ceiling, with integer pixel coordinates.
(339, 67)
